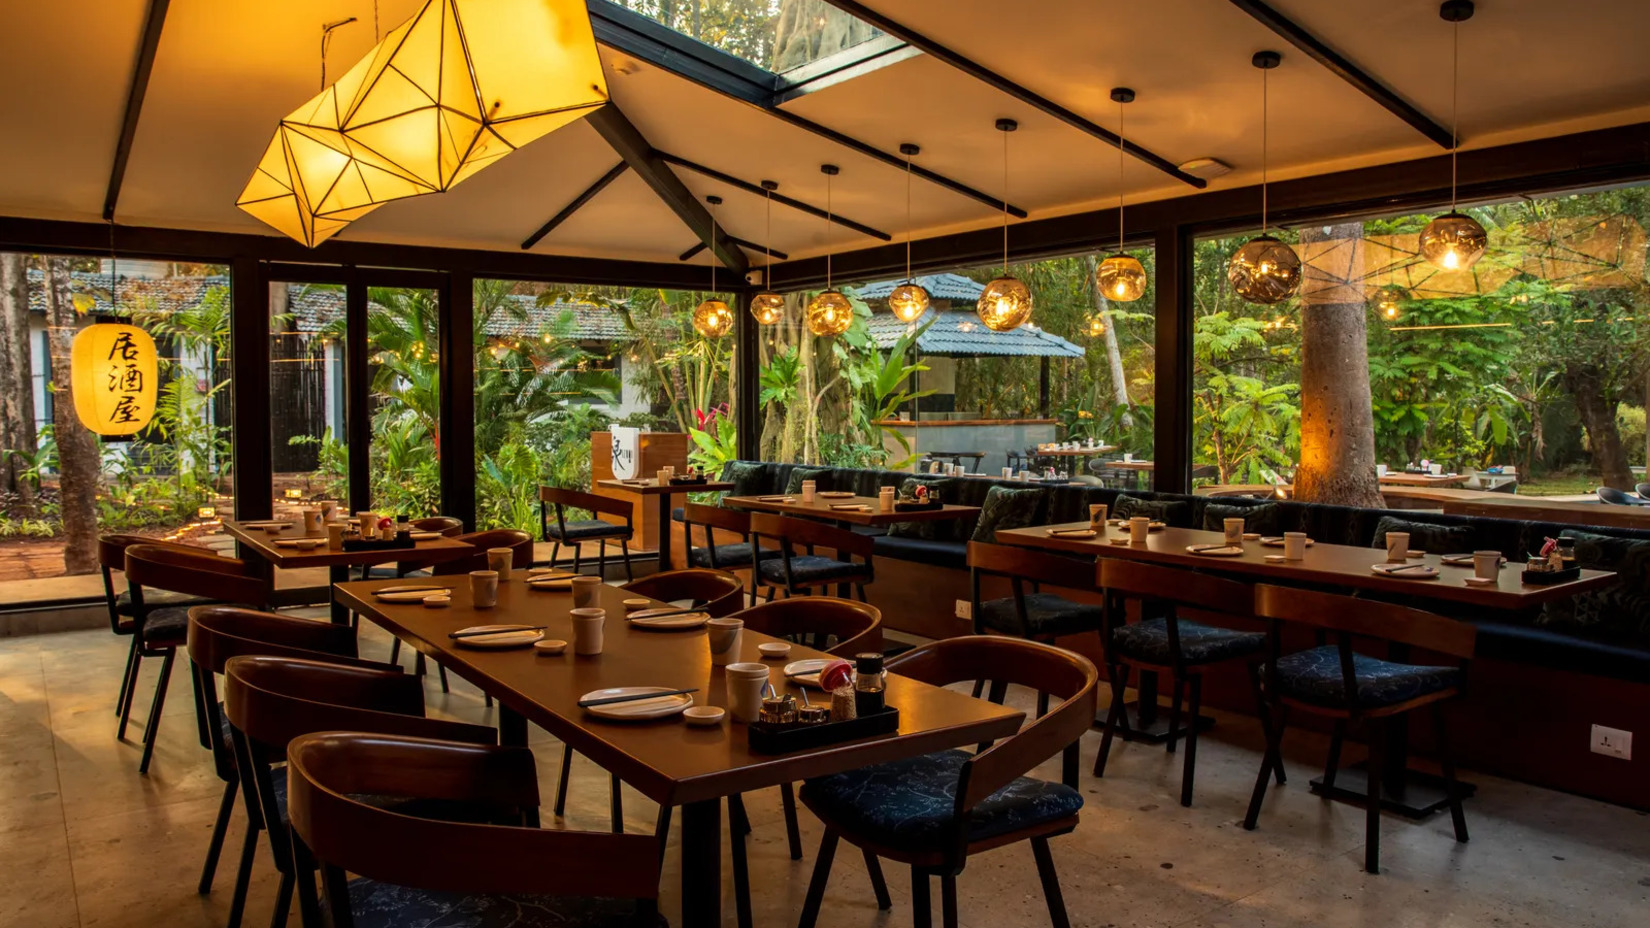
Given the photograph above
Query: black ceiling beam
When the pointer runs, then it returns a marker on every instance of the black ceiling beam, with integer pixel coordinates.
(749, 187)
(1337, 64)
(150, 43)
(742, 243)
(634, 34)
(628, 141)
(1017, 91)
(578, 201)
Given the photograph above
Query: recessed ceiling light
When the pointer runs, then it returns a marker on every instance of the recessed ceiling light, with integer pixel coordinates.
(1206, 167)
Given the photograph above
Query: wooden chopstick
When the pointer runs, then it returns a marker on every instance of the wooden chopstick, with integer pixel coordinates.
(510, 630)
(633, 697)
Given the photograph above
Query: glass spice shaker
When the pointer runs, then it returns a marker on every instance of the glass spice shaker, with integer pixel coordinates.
(842, 703)
(869, 683)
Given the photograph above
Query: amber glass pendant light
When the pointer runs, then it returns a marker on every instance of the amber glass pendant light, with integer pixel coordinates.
(829, 313)
(1120, 277)
(1264, 270)
(1454, 241)
(767, 306)
(1005, 304)
(712, 318)
(909, 300)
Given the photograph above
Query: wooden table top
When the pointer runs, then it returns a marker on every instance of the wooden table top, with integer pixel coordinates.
(1132, 465)
(651, 487)
(820, 508)
(667, 760)
(1401, 479)
(1538, 509)
(1077, 452)
(263, 544)
(1335, 565)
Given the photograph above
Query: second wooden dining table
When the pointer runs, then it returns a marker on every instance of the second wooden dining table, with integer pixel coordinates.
(666, 760)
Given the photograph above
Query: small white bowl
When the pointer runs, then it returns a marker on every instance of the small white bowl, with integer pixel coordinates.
(438, 601)
(549, 647)
(631, 605)
(1275, 559)
(774, 650)
(705, 716)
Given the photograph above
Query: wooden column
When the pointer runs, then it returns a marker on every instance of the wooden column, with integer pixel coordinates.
(1172, 434)
(747, 407)
(357, 395)
(249, 364)
(458, 398)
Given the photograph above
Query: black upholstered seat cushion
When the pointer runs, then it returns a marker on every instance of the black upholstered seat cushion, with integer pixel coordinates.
(1619, 612)
(807, 569)
(911, 803)
(155, 599)
(737, 554)
(923, 550)
(1046, 614)
(384, 905)
(168, 626)
(581, 529)
(1199, 644)
(950, 490)
(1315, 677)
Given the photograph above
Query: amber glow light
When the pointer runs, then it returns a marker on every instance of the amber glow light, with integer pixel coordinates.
(1006, 303)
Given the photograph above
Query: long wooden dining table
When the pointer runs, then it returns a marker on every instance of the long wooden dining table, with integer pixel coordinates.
(668, 761)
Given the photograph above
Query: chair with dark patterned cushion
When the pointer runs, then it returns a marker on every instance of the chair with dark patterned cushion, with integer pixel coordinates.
(1160, 641)
(216, 634)
(1358, 689)
(182, 570)
(416, 871)
(270, 701)
(1036, 614)
(802, 573)
(565, 532)
(937, 811)
(111, 557)
(729, 555)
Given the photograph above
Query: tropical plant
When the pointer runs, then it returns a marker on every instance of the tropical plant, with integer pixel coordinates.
(715, 440)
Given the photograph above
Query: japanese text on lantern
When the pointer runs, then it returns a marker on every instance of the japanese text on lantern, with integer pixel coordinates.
(114, 368)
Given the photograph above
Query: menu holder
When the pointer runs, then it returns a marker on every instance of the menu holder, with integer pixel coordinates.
(767, 738)
(1549, 577)
(903, 506)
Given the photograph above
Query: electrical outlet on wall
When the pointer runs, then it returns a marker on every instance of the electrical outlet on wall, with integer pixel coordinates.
(965, 610)
(1612, 742)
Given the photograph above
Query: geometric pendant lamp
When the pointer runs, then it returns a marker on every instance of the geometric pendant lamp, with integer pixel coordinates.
(453, 89)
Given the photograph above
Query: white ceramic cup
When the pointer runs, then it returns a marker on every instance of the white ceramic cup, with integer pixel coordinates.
(1025, 476)
(1437, 470)
(746, 681)
(723, 637)
(588, 624)
(1486, 565)
(585, 589)
(1008, 472)
(335, 535)
(1380, 470)
(1294, 546)
(663, 477)
(1128, 457)
(808, 488)
(885, 499)
(500, 560)
(1097, 516)
(670, 470)
(367, 523)
(329, 510)
(1397, 547)
(484, 588)
(1140, 529)
(1234, 531)
(312, 521)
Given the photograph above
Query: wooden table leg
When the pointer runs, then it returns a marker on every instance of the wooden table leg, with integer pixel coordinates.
(702, 864)
(664, 530)
(338, 573)
(512, 727)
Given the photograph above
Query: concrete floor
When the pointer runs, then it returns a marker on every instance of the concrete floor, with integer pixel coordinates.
(85, 841)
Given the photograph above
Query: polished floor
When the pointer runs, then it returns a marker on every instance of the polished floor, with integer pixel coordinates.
(85, 841)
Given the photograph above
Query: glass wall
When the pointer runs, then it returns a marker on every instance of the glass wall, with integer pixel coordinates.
(1531, 364)
(308, 440)
(555, 363)
(404, 449)
(767, 33)
(61, 485)
(946, 389)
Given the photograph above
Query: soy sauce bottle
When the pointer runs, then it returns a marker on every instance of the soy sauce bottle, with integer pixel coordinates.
(870, 684)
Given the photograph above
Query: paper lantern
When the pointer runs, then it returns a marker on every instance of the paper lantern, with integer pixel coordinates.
(453, 89)
(113, 367)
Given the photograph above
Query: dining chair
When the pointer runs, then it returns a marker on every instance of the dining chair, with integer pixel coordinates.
(111, 557)
(730, 556)
(1353, 688)
(936, 811)
(506, 871)
(216, 634)
(717, 592)
(521, 557)
(272, 700)
(801, 573)
(1643, 490)
(562, 532)
(159, 632)
(1616, 497)
(1036, 615)
(1160, 641)
(442, 525)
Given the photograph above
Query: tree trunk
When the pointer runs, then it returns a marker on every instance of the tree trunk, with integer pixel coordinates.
(1597, 409)
(78, 461)
(1114, 355)
(17, 432)
(1337, 462)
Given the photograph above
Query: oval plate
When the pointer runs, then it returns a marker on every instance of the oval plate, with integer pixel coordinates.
(509, 639)
(806, 672)
(640, 709)
(1406, 571)
(672, 623)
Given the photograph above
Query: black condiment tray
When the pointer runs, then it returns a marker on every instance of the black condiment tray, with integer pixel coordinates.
(1548, 577)
(767, 738)
(917, 507)
(400, 543)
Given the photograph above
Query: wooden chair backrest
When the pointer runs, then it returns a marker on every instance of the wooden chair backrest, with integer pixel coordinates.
(446, 525)
(1027, 564)
(732, 520)
(720, 592)
(111, 549)
(196, 572)
(326, 770)
(856, 626)
(579, 499)
(1135, 580)
(791, 533)
(218, 633)
(1369, 618)
(519, 542)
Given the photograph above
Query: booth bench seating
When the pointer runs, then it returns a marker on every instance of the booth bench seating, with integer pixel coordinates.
(1541, 678)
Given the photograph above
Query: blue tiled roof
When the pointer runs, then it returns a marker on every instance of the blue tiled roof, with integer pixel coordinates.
(939, 286)
(962, 334)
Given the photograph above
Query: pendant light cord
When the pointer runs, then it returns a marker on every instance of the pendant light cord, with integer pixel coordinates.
(1454, 107)
(714, 260)
(376, 35)
(114, 272)
(827, 231)
(1005, 203)
(908, 232)
(1263, 145)
(1119, 176)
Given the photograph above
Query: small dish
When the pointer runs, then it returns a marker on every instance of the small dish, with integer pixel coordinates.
(1251, 536)
(1480, 581)
(549, 647)
(437, 601)
(1415, 554)
(1275, 559)
(704, 716)
(1120, 541)
(774, 650)
(631, 605)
